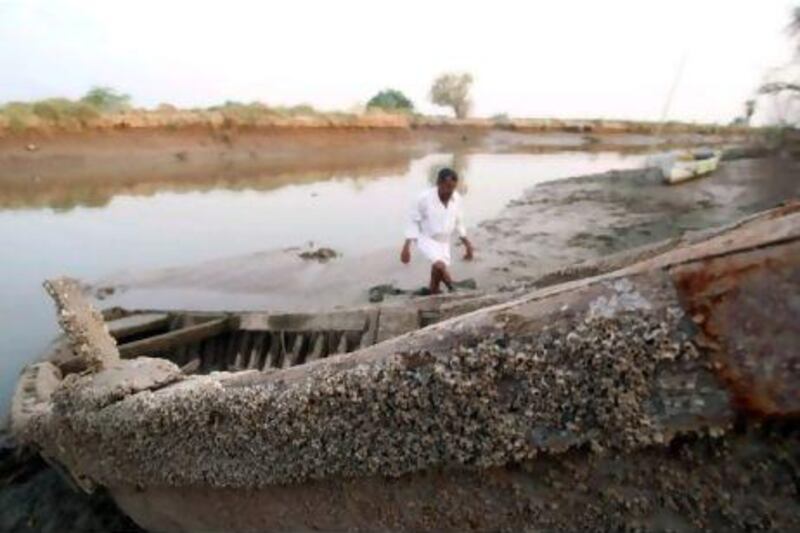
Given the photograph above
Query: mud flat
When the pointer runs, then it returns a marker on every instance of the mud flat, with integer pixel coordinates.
(659, 395)
(553, 225)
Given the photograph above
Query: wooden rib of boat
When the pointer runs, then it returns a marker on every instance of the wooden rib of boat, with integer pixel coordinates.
(593, 404)
(254, 340)
(201, 342)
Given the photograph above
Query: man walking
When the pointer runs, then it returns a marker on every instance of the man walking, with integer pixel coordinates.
(434, 217)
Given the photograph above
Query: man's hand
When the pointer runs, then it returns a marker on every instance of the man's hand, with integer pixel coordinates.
(469, 252)
(405, 254)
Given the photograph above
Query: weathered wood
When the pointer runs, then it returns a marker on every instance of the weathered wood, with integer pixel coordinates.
(337, 320)
(182, 352)
(371, 334)
(230, 349)
(193, 354)
(191, 367)
(297, 349)
(161, 343)
(396, 321)
(286, 354)
(275, 350)
(342, 346)
(318, 347)
(138, 324)
(243, 346)
(84, 327)
(254, 359)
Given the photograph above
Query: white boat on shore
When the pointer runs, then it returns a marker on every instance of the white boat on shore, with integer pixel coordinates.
(689, 165)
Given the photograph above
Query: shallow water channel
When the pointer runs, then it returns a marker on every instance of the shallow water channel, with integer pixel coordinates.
(131, 232)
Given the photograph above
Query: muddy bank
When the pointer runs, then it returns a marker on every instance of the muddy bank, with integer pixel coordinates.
(88, 168)
(34, 497)
(553, 225)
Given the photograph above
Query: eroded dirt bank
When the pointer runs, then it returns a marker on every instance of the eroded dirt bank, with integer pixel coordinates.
(87, 168)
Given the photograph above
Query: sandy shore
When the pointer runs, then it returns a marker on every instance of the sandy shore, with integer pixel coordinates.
(553, 225)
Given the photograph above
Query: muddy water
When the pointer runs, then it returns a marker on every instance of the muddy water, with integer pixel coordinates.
(351, 215)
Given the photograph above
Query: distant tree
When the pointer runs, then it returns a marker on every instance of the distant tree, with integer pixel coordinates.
(749, 109)
(784, 86)
(452, 90)
(391, 100)
(107, 99)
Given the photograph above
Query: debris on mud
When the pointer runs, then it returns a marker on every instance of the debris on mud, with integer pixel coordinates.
(321, 255)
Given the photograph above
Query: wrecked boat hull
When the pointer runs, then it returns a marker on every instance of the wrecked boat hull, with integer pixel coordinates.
(626, 399)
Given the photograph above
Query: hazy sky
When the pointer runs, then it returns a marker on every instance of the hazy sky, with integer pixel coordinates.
(566, 58)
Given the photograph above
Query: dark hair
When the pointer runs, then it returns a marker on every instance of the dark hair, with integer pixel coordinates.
(446, 174)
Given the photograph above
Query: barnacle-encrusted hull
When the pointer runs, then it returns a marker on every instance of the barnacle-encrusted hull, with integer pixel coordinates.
(633, 398)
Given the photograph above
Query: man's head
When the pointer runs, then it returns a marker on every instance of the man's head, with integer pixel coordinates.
(446, 182)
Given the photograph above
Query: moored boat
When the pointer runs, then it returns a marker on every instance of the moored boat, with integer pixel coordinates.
(689, 165)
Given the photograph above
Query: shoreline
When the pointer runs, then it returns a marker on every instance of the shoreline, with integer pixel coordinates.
(89, 168)
(553, 225)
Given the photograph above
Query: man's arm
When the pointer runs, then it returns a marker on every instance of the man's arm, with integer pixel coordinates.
(469, 253)
(405, 253)
(462, 234)
(412, 231)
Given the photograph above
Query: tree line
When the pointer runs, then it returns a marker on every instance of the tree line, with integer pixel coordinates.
(451, 90)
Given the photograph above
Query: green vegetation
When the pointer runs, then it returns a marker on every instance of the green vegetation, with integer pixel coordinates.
(60, 112)
(255, 112)
(63, 112)
(501, 119)
(391, 100)
(452, 90)
(107, 100)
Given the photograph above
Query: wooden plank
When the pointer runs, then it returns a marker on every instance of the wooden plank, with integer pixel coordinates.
(240, 362)
(182, 353)
(342, 347)
(318, 347)
(269, 342)
(216, 352)
(337, 320)
(286, 360)
(254, 359)
(297, 349)
(172, 339)
(230, 350)
(193, 355)
(137, 324)
(396, 321)
(275, 350)
(370, 335)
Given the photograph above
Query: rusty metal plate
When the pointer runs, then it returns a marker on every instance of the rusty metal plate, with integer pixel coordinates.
(747, 308)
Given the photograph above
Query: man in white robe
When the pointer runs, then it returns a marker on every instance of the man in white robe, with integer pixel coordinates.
(435, 216)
